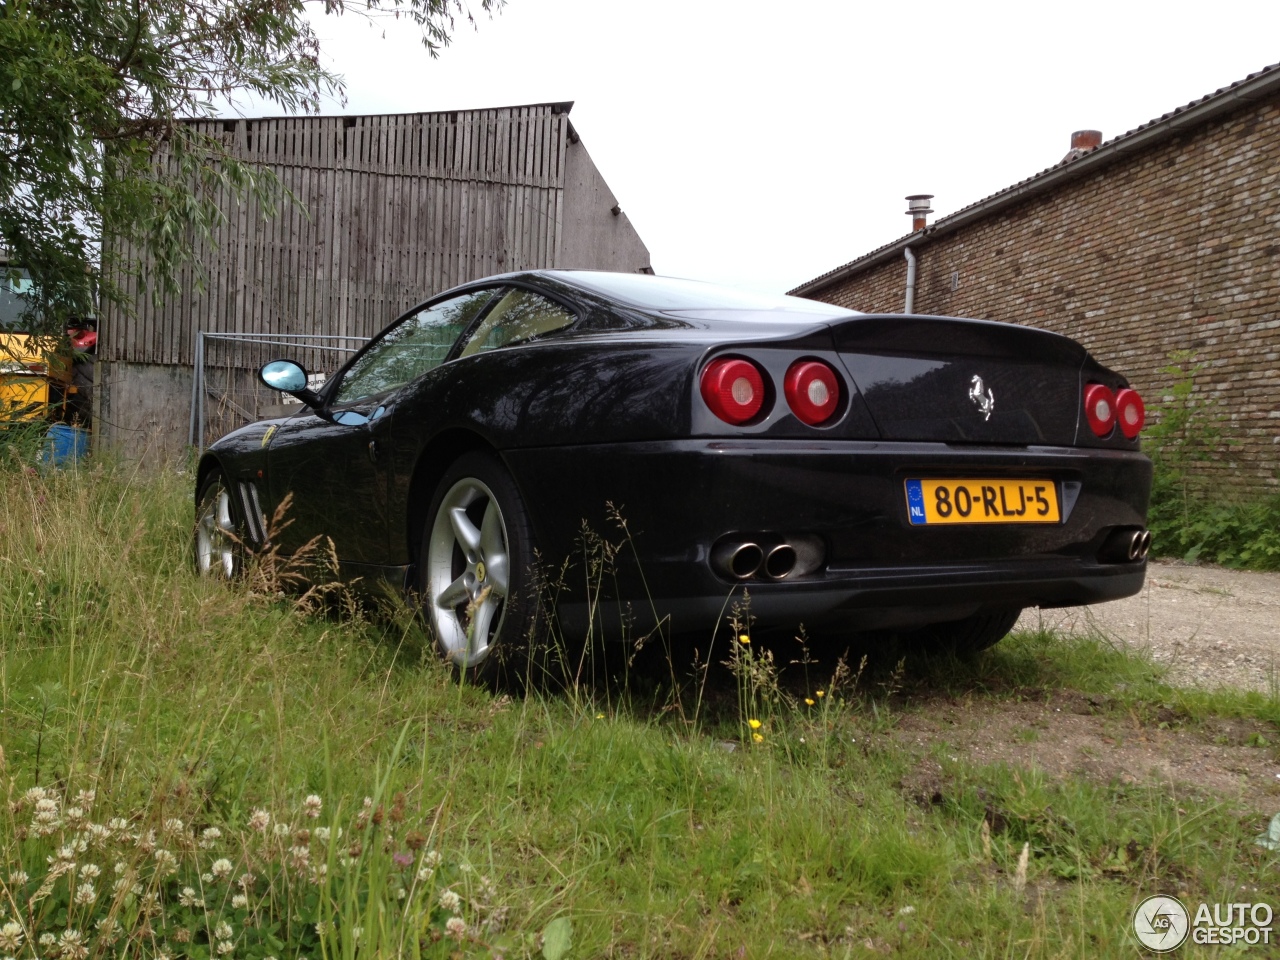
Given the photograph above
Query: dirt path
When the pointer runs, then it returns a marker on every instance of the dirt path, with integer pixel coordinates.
(1213, 627)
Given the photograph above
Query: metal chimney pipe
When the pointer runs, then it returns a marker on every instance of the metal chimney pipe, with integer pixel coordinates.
(918, 210)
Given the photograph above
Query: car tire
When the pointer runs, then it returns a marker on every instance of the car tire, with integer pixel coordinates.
(968, 636)
(476, 581)
(218, 537)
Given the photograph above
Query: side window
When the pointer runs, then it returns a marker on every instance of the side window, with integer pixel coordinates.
(411, 348)
(520, 315)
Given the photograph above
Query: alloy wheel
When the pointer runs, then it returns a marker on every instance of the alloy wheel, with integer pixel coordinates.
(468, 572)
(215, 537)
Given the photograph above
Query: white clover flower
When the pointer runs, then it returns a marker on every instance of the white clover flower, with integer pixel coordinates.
(150, 903)
(147, 841)
(301, 855)
(74, 815)
(239, 901)
(98, 833)
(120, 866)
(206, 878)
(209, 836)
(86, 797)
(11, 937)
(282, 829)
(109, 929)
(18, 878)
(246, 881)
(259, 820)
(432, 858)
(456, 927)
(67, 853)
(121, 885)
(318, 872)
(47, 940)
(117, 825)
(321, 834)
(221, 868)
(35, 793)
(464, 867)
(188, 898)
(173, 825)
(223, 930)
(311, 806)
(322, 928)
(71, 943)
(401, 893)
(225, 947)
(450, 900)
(85, 893)
(166, 862)
(425, 874)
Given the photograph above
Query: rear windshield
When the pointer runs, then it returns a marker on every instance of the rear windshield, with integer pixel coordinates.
(673, 294)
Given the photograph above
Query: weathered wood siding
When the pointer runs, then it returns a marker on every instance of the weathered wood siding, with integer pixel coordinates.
(390, 209)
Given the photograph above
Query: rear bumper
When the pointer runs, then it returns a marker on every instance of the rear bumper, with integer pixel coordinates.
(680, 498)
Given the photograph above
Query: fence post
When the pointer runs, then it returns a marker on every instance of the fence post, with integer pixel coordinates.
(196, 370)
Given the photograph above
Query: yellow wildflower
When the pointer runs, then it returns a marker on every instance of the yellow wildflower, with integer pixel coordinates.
(743, 638)
(819, 694)
(808, 701)
(758, 737)
(754, 724)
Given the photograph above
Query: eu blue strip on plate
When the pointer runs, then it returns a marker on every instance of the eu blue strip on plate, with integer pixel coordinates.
(915, 502)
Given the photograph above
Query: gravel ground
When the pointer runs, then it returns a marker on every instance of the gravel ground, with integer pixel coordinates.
(1213, 627)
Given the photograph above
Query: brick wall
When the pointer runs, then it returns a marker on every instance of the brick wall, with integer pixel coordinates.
(1176, 248)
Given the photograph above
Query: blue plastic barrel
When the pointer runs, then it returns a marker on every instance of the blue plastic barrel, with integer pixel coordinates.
(64, 444)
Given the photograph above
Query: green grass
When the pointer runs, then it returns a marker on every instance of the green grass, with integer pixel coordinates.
(646, 821)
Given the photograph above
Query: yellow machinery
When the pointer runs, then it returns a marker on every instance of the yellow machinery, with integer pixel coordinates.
(36, 373)
(35, 378)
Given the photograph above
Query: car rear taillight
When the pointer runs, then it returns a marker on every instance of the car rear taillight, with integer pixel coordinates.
(812, 390)
(733, 388)
(1131, 413)
(1100, 408)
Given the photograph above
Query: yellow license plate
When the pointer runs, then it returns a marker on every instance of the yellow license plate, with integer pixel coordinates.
(982, 501)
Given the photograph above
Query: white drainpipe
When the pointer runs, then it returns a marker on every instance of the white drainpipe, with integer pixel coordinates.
(911, 281)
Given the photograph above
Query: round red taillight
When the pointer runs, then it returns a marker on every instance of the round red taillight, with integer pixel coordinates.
(1100, 408)
(733, 389)
(1131, 413)
(812, 390)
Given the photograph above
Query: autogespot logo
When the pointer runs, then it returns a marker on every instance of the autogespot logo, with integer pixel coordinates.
(1161, 923)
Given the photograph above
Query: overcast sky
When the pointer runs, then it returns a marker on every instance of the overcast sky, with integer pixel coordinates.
(761, 144)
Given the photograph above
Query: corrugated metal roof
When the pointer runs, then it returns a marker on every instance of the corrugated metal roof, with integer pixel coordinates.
(1256, 86)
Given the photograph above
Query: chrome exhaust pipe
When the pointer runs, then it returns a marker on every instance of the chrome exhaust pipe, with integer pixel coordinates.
(780, 561)
(1144, 547)
(1126, 546)
(738, 560)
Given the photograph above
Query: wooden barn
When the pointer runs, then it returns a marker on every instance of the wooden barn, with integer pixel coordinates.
(390, 210)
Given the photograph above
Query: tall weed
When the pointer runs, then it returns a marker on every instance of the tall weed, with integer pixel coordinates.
(1188, 517)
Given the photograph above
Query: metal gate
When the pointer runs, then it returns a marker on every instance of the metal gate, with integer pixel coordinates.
(226, 372)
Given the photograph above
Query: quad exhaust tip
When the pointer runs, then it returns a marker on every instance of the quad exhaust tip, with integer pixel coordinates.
(1126, 545)
(780, 561)
(739, 560)
(1140, 545)
(766, 557)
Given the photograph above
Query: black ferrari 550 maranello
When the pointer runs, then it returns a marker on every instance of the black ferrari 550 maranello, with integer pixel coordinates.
(925, 475)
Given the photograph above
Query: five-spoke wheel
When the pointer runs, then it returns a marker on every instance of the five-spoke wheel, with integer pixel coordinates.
(473, 565)
(216, 539)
